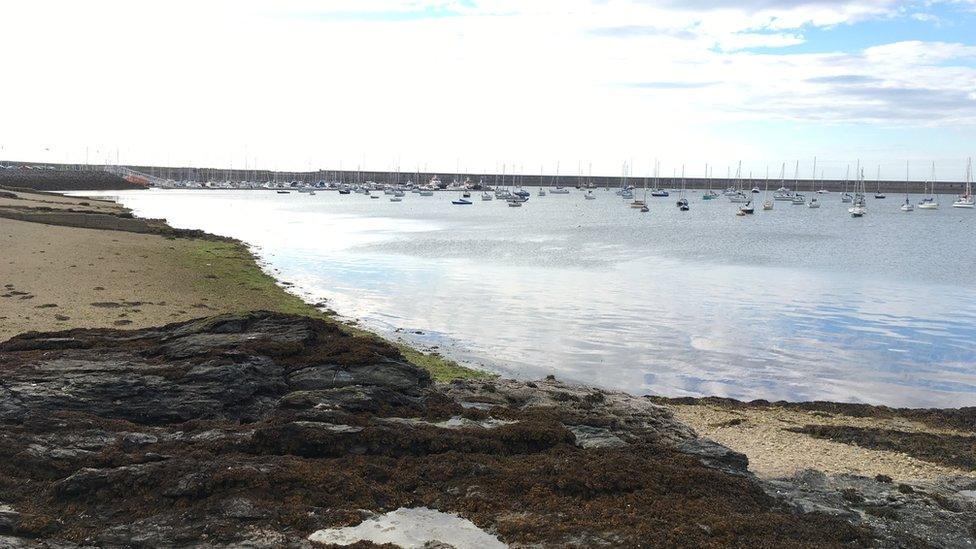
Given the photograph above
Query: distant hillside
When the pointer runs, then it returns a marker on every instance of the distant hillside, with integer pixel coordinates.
(44, 180)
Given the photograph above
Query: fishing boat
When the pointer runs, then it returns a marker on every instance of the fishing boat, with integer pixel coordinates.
(966, 199)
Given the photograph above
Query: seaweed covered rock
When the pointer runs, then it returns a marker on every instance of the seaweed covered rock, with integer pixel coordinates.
(261, 429)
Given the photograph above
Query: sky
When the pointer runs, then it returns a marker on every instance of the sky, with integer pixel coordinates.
(482, 86)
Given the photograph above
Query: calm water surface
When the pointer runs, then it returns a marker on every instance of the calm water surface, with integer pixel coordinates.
(790, 304)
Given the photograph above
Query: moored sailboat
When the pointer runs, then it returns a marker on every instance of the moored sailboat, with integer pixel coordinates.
(966, 199)
(929, 202)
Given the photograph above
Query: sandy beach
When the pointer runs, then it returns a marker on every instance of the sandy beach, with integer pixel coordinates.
(56, 277)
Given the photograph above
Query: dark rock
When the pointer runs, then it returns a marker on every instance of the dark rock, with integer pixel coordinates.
(715, 455)
(595, 437)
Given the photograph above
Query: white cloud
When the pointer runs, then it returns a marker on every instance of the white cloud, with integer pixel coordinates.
(305, 82)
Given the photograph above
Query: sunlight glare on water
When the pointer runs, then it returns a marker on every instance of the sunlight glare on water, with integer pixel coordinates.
(793, 303)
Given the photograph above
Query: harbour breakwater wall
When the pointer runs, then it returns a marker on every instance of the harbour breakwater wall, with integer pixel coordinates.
(286, 178)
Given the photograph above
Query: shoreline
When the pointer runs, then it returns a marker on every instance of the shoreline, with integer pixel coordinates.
(857, 447)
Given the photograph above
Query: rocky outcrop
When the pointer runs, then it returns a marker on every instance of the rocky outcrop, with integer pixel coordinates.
(261, 429)
(940, 514)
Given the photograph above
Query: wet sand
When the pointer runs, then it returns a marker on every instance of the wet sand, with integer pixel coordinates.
(766, 434)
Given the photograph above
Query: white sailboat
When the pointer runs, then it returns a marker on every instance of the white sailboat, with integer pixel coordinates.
(907, 206)
(767, 203)
(798, 198)
(846, 197)
(814, 202)
(858, 207)
(929, 202)
(966, 199)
